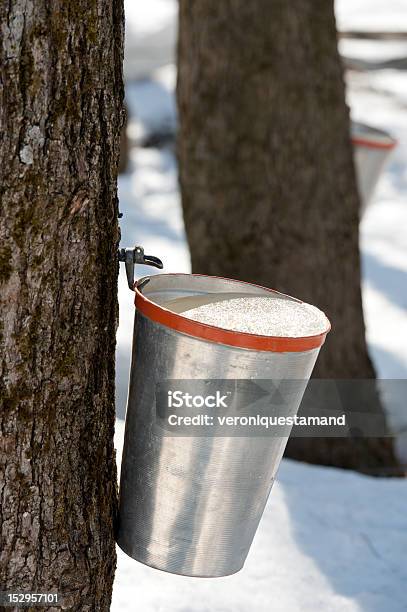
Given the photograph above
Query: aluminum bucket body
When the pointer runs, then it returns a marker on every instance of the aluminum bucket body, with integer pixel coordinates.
(372, 148)
(191, 505)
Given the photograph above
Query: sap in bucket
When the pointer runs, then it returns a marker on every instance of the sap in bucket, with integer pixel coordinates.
(190, 504)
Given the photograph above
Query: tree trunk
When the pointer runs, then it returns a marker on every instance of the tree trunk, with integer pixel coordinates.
(61, 112)
(267, 177)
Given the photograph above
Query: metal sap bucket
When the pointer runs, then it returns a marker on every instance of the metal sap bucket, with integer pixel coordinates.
(191, 505)
(371, 149)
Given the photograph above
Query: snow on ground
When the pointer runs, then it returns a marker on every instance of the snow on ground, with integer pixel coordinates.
(371, 15)
(373, 50)
(329, 539)
(379, 99)
(150, 36)
(151, 31)
(151, 103)
(149, 201)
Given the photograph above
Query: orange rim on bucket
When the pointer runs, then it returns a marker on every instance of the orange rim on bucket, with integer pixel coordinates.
(180, 323)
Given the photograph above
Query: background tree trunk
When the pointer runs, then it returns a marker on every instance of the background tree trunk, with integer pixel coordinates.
(267, 177)
(61, 112)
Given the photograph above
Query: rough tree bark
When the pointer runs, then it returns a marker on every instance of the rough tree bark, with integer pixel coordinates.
(61, 112)
(267, 178)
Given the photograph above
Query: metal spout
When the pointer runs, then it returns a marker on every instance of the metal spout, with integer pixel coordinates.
(136, 256)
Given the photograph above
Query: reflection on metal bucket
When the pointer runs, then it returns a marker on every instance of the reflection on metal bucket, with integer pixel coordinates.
(191, 505)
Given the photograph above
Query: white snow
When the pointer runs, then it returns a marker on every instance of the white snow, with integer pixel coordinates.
(150, 203)
(329, 540)
(151, 31)
(150, 36)
(265, 316)
(151, 103)
(373, 50)
(379, 98)
(371, 15)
